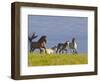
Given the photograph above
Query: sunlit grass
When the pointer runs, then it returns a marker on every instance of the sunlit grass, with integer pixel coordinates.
(37, 59)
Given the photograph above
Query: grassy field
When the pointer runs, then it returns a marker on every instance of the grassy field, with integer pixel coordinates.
(36, 59)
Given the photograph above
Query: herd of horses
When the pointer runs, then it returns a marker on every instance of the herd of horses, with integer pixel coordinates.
(59, 48)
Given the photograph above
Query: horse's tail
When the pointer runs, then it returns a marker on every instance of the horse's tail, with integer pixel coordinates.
(30, 39)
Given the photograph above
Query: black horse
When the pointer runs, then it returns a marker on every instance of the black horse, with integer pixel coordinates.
(40, 44)
(61, 47)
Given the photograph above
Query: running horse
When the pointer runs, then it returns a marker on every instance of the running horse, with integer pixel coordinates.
(65, 47)
(40, 44)
(61, 47)
(73, 46)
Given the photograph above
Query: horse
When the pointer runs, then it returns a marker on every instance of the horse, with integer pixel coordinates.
(32, 37)
(51, 50)
(41, 43)
(61, 47)
(73, 46)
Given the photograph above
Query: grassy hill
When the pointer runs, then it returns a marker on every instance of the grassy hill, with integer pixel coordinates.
(37, 59)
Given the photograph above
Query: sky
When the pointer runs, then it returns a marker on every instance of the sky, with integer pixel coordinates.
(59, 29)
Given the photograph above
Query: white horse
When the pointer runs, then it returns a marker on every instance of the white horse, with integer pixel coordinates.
(73, 46)
(51, 50)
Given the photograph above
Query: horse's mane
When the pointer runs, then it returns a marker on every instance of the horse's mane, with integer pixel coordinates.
(43, 38)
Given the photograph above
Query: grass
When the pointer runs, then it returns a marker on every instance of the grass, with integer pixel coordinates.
(37, 59)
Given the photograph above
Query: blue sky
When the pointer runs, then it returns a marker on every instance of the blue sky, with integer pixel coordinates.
(59, 29)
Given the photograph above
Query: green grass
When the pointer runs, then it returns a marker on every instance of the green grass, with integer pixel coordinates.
(37, 59)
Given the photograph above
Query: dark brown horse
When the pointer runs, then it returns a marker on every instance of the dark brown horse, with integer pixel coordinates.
(40, 44)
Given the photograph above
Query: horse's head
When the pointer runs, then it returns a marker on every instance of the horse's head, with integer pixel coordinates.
(43, 39)
(73, 39)
(66, 42)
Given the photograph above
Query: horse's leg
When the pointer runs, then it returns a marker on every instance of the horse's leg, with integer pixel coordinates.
(72, 51)
(40, 50)
(76, 51)
(57, 50)
(60, 50)
(66, 51)
(45, 49)
(30, 48)
(33, 49)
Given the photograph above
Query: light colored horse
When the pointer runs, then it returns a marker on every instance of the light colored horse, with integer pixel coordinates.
(49, 51)
(73, 46)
